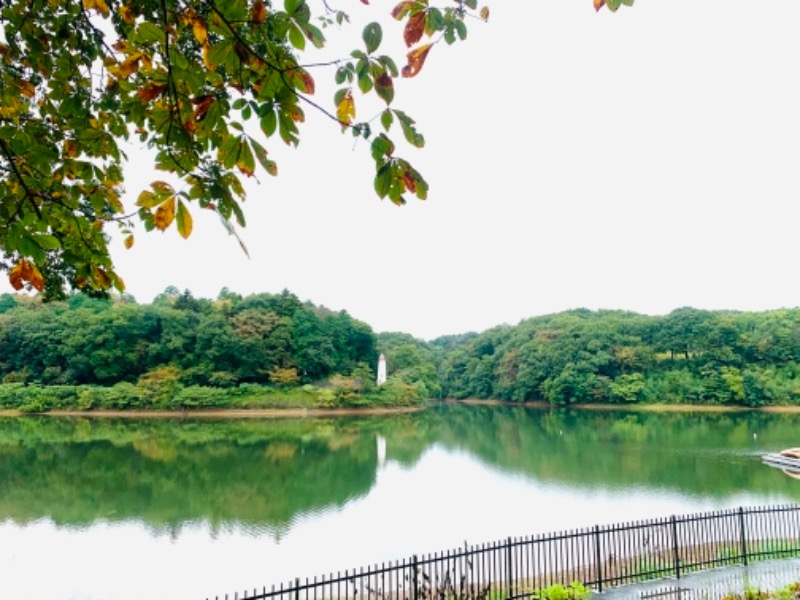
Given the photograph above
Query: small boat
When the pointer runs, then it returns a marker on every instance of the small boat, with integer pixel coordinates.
(787, 460)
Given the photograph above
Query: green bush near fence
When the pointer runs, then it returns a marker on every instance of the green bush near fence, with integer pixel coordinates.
(573, 591)
(789, 592)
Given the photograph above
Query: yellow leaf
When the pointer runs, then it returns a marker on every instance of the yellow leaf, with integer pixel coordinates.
(346, 110)
(101, 7)
(130, 65)
(128, 241)
(27, 89)
(598, 4)
(15, 275)
(147, 199)
(184, 221)
(70, 149)
(162, 186)
(165, 214)
(485, 13)
(416, 58)
(200, 31)
(127, 14)
(35, 278)
(25, 271)
(101, 278)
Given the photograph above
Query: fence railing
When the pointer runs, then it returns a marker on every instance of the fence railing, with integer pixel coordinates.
(599, 557)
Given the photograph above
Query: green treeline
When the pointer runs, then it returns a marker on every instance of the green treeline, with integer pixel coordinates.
(581, 356)
(184, 352)
(273, 350)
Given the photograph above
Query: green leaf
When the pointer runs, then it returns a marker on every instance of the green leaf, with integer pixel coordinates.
(434, 20)
(387, 119)
(269, 123)
(28, 247)
(47, 242)
(226, 154)
(291, 6)
(149, 33)
(461, 29)
(383, 179)
(221, 52)
(372, 35)
(364, 81)
(381, 147)
(389, 65)
(315, 35)
(260, 152)
(409, 130)
(296, 37)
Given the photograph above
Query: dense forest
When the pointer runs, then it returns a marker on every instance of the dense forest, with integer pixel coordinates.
(688, 356)
(184, 352)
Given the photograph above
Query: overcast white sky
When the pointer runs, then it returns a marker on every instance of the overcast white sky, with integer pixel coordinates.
(643, 160)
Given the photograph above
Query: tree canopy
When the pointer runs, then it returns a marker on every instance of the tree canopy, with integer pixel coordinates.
(206, 86)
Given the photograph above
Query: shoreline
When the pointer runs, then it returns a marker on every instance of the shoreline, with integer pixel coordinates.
(221, 413)
(655, 407)
(266, 413)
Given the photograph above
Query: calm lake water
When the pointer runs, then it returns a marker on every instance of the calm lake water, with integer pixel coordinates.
(148, 509)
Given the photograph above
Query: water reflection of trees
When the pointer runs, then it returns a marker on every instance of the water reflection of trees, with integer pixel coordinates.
(265, 474)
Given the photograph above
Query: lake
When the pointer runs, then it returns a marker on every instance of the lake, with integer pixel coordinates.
(123, 509)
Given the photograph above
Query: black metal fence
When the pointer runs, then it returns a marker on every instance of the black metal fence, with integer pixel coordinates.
(599, 557)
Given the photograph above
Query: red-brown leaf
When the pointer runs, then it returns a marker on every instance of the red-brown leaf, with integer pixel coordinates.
(151, 91)
(416, 59)
(598, 4)
(259, 11)
(414, 29)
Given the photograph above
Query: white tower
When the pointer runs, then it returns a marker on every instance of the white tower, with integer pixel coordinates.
(381, 370)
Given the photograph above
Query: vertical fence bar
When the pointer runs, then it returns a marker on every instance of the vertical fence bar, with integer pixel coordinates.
(509, 569)
(415, 581)
(743, 535)
(597, 555)
(675, 551)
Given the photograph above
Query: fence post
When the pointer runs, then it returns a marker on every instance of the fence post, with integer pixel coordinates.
(297, 588)
(509, 567)
(597, 555)
(416, 576)
(743, 535)
(675, 547)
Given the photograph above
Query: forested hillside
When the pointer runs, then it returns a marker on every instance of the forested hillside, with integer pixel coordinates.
(256, 339)
(181, 351)
(689, 356)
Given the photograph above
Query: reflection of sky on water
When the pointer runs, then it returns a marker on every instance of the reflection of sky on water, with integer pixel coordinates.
(447, 498)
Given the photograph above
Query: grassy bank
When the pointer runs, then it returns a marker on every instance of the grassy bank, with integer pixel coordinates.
(171, 397)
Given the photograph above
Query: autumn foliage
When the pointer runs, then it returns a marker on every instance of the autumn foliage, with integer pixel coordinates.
(207, 86)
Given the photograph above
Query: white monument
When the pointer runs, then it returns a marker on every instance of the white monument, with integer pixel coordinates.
(381, 370)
